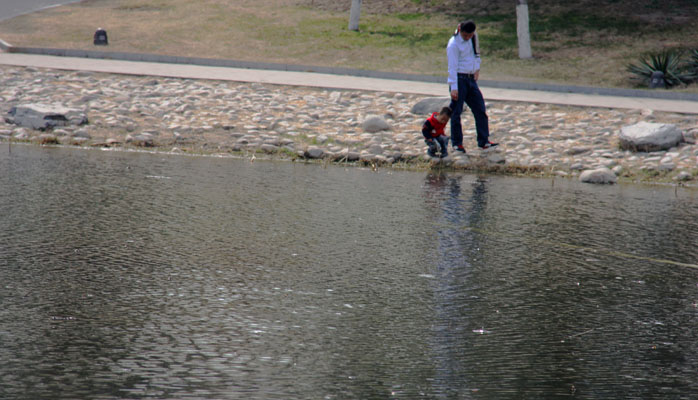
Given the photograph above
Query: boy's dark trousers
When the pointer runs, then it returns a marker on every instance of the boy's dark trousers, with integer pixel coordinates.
(469, 92)
(438, 143)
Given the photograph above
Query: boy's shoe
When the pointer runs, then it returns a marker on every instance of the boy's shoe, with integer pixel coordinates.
(431, 153)
(460, 148)
(489, 145)
(444, 155)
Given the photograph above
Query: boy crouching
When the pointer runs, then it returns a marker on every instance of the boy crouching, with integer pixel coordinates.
(433, 131)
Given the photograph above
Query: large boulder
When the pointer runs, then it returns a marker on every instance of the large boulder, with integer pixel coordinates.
(42, 116)
(430, 105)
(647, 136)
(601, 175)
(374, 123)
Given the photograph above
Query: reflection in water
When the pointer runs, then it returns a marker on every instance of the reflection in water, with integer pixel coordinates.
(457, 245)
(146, 276)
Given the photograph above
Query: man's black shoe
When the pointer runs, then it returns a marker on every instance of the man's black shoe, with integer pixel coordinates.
(488, 145)
(460, 148)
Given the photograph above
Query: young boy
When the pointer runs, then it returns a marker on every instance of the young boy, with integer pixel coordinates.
(433, 131)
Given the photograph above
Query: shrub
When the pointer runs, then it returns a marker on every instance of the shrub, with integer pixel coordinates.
(692, 65)
(668, 62)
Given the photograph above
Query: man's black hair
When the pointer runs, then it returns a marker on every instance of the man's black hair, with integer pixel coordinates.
(467, 26)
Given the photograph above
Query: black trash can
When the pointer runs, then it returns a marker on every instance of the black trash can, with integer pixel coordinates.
(101, 37)
(657, 80)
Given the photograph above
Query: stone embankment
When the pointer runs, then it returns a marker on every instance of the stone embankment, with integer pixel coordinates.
(198, 116)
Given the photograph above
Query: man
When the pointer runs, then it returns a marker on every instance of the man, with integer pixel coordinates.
(463, 73)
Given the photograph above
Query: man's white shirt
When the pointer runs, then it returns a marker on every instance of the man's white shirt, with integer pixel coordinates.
(461, 59)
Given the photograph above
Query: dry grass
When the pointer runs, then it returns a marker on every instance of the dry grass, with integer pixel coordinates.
(290, 31)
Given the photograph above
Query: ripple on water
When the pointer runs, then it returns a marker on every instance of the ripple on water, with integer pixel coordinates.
(134, 275)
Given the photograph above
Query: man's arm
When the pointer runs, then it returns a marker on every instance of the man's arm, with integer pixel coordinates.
(478, 60)
(452, 55)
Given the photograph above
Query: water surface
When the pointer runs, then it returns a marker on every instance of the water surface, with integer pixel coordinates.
(130, 275)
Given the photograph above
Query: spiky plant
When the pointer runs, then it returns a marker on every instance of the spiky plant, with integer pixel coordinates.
(668, 62)
(692, 65)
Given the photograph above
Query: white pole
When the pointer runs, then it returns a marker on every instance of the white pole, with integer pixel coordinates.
(355, 14)
(522, 30)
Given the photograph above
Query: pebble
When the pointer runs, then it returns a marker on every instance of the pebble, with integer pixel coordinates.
(311, 122)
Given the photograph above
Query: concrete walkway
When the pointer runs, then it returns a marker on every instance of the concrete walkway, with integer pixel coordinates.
(331, 81)
(12, 8)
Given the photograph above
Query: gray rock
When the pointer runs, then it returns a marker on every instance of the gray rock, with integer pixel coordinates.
(314, 152)
(366, 157)
(495, 158)
(683, 176)
(46, 138)
(82, 133)
(601, 175)
(375, 149)
(269, 148)
(21, 134)
(336, 96)
(577, 150)
(670, 166)
(462, 161)
(690, 136)
(430, 105)
(142, 140)
(272, 141)
(353, 156)
(379, 158)
(374, 123)
(397, 156)
(646, 136)
(41, 116)
(321, 139)
(181, 139)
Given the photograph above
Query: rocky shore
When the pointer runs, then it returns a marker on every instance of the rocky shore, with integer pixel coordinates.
(377, 129)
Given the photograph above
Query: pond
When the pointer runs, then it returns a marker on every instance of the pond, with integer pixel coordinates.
(138, 275)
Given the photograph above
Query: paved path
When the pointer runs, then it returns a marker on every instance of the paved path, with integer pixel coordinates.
(12, 8)
(336, 82)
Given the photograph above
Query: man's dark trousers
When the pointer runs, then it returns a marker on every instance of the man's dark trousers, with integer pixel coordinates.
(469, 92)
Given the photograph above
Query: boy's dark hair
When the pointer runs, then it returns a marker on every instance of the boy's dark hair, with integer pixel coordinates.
(447, 111)
(467, 26)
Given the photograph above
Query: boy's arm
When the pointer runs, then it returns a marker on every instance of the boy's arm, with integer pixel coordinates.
(427, 129)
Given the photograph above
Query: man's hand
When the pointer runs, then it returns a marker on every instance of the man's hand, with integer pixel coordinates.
(477, 75)
(454, 94)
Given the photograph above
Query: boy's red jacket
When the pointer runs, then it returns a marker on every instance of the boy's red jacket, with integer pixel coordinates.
(432, 127)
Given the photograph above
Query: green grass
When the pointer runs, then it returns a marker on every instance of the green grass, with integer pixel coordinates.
(568, 39)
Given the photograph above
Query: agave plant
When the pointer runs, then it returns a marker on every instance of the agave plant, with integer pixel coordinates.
(667, 62)
(692, 65)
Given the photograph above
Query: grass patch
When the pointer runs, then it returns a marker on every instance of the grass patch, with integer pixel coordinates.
(572, 44)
